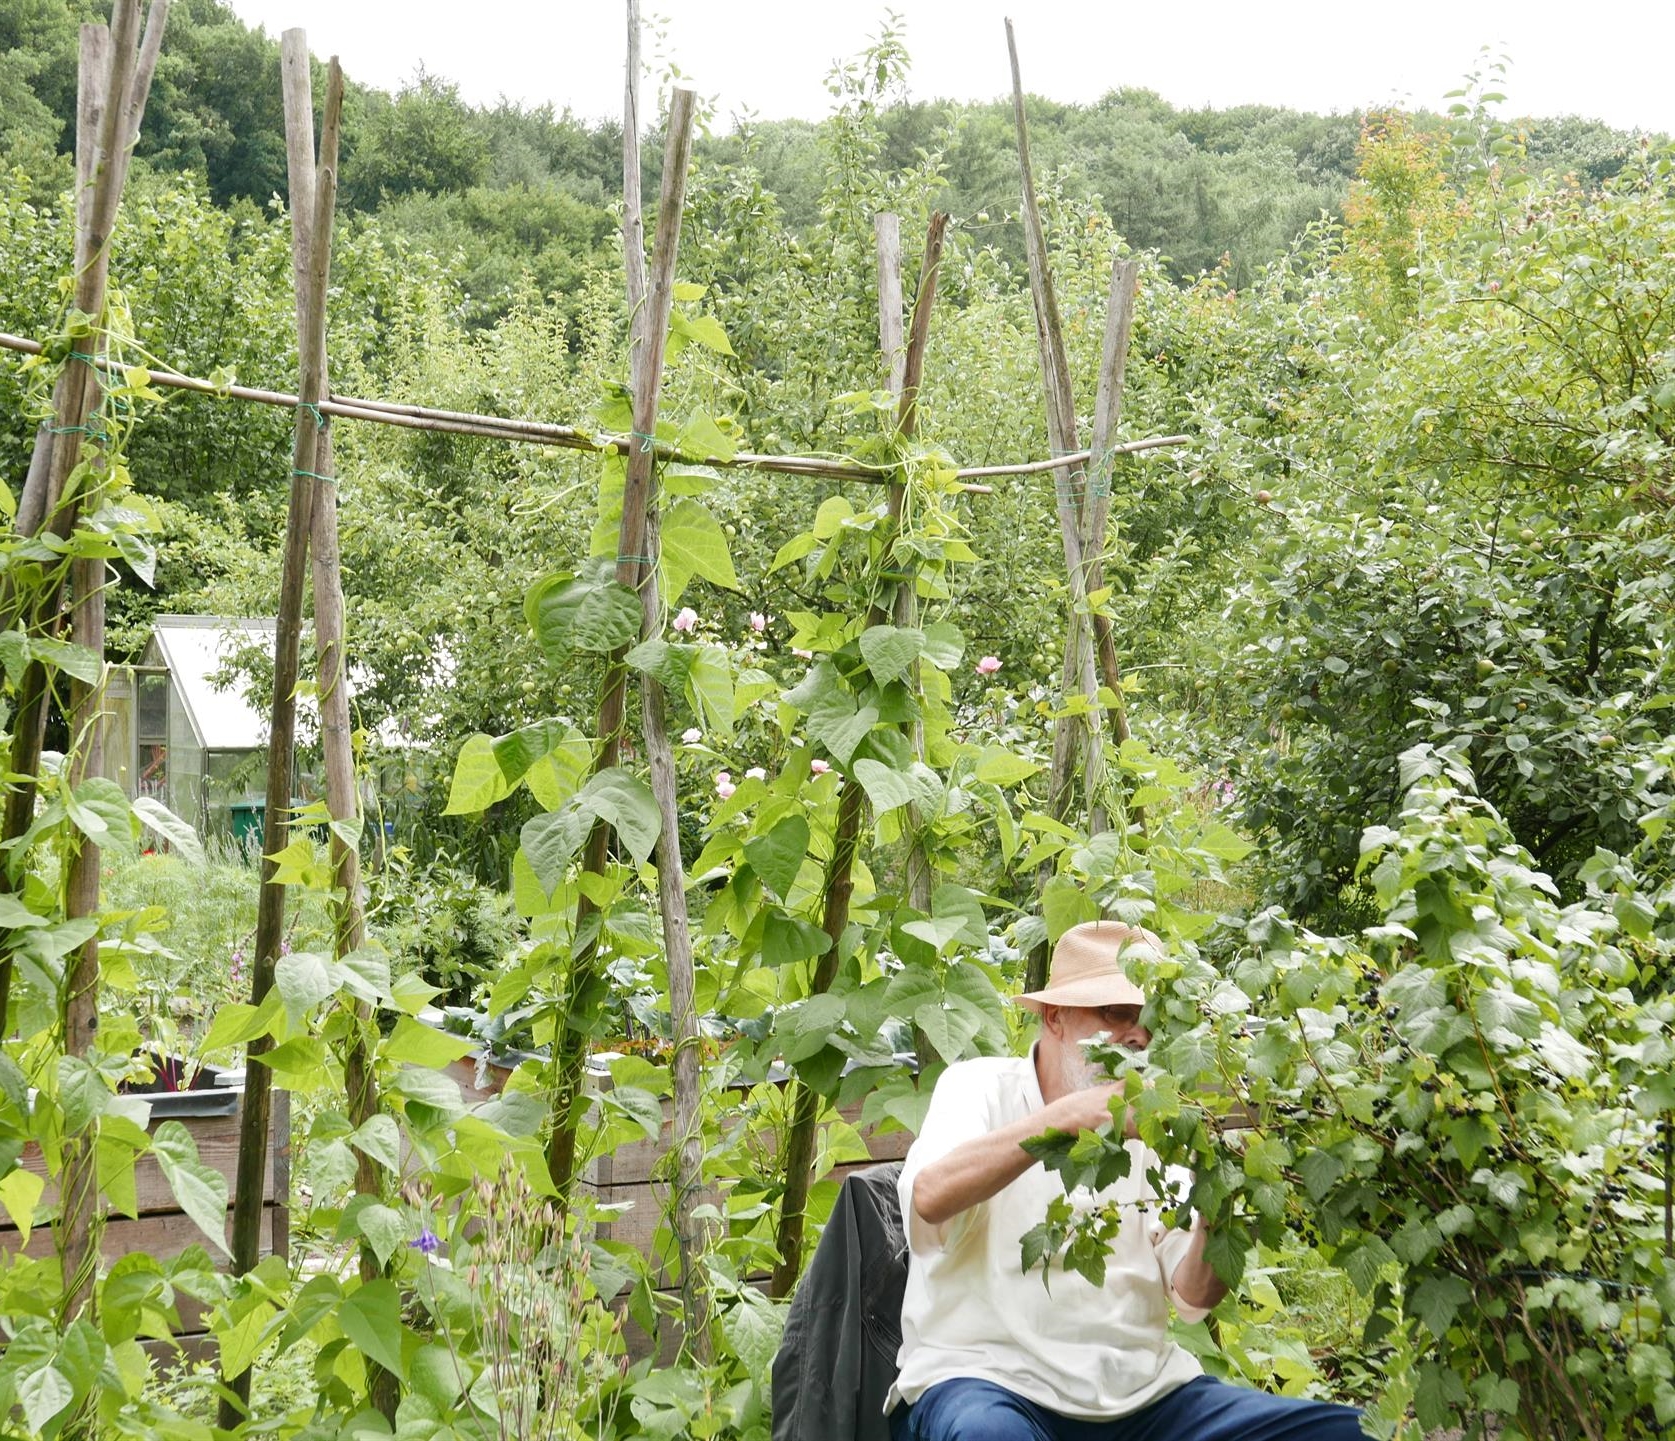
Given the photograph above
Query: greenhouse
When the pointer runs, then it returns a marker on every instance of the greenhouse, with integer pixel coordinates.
(182, 729)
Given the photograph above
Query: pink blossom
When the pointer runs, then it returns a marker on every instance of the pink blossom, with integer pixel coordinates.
(758, 622)
(819, 767)
(691, 736)
(988, 665)
(686, 620)
(756, 773)
(724, 786)
(805, 654)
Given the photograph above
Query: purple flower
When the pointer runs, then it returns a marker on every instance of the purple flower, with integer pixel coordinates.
(988, 665)
(428, 1243)
(819, 767)
(724, 786)
(685, 620)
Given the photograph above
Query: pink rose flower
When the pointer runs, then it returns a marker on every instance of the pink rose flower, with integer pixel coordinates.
(819, 767)
(686, 620)
(758, 622)
(691, 736)
(988, 665)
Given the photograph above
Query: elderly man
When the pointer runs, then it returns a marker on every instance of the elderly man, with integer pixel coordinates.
(990, 1353)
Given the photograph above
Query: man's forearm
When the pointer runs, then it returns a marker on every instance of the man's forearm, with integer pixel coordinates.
(1196, 1282)
(980, 1168)
(973, 1172)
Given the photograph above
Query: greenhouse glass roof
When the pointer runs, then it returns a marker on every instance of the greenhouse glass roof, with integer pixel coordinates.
(195, 648)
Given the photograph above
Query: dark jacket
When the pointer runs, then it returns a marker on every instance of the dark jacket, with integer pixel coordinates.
(837, 1360)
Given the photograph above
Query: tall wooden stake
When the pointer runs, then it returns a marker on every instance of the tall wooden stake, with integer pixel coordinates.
(112, 71)
(892, 346)
(99, 93)
(691, 1234)
(1061, 437)
(255, 1119)
(649, 337)
(840, 871)
(336, 726)
(1096, 509)
(1081, 517)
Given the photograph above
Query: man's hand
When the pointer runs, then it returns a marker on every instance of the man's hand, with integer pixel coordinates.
(977, 1169)
(1087, 1110)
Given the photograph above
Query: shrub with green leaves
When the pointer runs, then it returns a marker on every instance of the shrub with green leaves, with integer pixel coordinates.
(1467, 1100)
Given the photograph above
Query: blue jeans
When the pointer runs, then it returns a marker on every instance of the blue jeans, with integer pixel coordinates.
(1203, 1410)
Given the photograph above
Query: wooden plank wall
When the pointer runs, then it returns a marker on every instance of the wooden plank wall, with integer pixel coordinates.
(160, 1228)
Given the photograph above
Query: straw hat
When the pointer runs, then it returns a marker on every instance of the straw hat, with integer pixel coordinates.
(1088, 967)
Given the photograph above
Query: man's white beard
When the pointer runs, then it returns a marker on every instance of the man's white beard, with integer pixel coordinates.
(1076, 1071)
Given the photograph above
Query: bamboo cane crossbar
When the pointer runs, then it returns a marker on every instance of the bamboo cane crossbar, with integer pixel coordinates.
(569, 437)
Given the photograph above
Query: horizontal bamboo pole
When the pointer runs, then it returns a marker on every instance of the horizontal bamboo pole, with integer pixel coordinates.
(567, 437)
(1076, 457)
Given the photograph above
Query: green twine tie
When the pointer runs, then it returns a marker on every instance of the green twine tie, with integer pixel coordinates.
(1067, 487)
(91, 431)
(636, 560)
(92, 363)
(646, 441)
(311, 475)
(1078, 483)
(314, 410)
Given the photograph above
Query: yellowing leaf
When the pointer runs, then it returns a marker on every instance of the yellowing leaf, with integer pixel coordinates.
(20, 1193)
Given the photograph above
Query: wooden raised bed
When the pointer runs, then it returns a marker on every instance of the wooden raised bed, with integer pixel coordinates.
(210, 1112)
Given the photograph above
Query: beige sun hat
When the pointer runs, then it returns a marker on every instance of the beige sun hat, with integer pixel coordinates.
(1087, 966)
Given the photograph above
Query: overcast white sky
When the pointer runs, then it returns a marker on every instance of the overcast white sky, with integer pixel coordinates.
(1609, 61)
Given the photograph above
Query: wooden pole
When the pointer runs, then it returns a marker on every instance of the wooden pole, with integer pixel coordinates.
(892, 346)
(1096, 508)
(270, 906)
(1071, 733)
(491, 427)
(111, 69)
(78, 1219)
(122, 98)
(892, 342)
(80, 1213)
(70, 405)
(691, 1234)
(840, 871)
(650, 333)
(336, 727)
(92, 75)
(633, 217)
